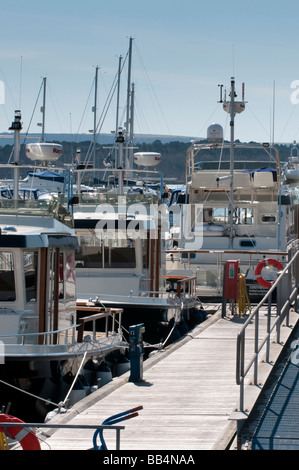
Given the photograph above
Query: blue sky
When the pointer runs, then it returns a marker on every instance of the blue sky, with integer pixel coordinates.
(182, 50)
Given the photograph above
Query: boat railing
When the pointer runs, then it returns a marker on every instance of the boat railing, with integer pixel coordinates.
(287, 288)
(182, 285)
(153, 293)
(37, 207)
(249, 258)
(61, 336)
(103, 313)
(196, 148)
(72, 333)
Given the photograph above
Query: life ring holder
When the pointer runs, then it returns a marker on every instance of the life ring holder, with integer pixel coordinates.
(262, 264)
(25, 436)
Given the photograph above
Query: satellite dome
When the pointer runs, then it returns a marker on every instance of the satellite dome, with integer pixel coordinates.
(43, 151)
(215, 133)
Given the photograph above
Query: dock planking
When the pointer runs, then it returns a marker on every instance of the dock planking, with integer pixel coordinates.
(188, 394)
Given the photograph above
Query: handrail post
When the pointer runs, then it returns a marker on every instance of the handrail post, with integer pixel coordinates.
(256, 346)
(242, 360)
(269, 328)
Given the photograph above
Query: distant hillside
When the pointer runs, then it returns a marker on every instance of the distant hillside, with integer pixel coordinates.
(172, 149)
(102, 139)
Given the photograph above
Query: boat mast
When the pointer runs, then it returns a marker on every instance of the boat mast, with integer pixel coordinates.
(128, 100)
(117, 107)
(232, 107)
(94, 109)
(232, 156)
(16, 126)
(43, 109)
(131, 134)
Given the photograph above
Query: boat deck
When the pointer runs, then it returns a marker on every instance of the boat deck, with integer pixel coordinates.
(188, 394)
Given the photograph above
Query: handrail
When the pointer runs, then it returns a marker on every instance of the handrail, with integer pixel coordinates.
(40, 333)
(96, 316)
(80, 325)
(183, 283)
(151, 293)
(282, 313)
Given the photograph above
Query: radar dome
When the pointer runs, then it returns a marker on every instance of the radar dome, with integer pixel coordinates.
(43, 151)
(215, 133)
(147, 158)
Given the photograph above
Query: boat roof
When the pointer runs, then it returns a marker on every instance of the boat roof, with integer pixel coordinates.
(34, 223)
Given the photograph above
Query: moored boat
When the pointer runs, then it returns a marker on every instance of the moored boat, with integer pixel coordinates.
(239, 209)
(42, 345)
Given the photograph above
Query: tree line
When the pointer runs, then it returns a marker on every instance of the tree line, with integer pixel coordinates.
(173, 155)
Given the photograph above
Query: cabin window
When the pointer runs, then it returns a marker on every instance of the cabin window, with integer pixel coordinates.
(269, 219)
(109, 253)
(7, 277)
(119, 253)
(247, 243)
(30, 271)
(220, 215)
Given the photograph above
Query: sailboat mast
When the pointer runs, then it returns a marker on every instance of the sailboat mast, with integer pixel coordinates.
(117, 157)
(118, 93)
(128, 98)
(43, 109)
(16, 126)
(95, 115)
(131, 138)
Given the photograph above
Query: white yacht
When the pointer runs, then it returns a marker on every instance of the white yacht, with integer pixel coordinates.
(291, 168)
(238, 207)
(121, 260)
(41, 342)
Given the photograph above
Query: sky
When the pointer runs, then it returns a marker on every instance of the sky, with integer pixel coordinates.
(182, 51)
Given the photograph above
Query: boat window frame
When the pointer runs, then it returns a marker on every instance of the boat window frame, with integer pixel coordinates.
(270, 216)
(12, 263)
(106, 251)
(29, 252)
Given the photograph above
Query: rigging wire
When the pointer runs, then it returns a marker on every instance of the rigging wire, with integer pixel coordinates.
(267, 132)
(105, 110)
(207, 121)
(30, 121)
(151, 88)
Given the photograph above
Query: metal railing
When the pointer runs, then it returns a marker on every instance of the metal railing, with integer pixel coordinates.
(45, 334)
(109, 423)
(63, 335)
(41, 426)
(102, 314)
(287, 288)
(249, 260)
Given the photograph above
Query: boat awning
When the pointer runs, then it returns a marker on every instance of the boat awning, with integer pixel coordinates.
(39, 241)
(114, 224)
(48, 175)
(263, 169)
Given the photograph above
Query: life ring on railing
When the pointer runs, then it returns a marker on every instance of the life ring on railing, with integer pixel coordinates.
(25, 436)
(259, 268)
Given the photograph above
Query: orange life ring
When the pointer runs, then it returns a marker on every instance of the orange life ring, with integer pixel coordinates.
(25, 436)
(259, 268)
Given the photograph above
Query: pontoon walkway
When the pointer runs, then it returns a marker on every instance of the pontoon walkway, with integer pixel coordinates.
(188, 394)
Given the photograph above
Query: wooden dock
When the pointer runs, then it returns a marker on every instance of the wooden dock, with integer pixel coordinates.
(188, 394)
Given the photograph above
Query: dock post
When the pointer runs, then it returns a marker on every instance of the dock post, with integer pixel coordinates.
(136, 352)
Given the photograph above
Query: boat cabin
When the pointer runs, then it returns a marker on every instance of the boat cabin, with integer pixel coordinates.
(37, 276)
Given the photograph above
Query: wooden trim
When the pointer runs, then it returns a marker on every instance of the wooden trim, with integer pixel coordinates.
(56, 294)
(152, 264)
(42, 292)
(157, 261)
